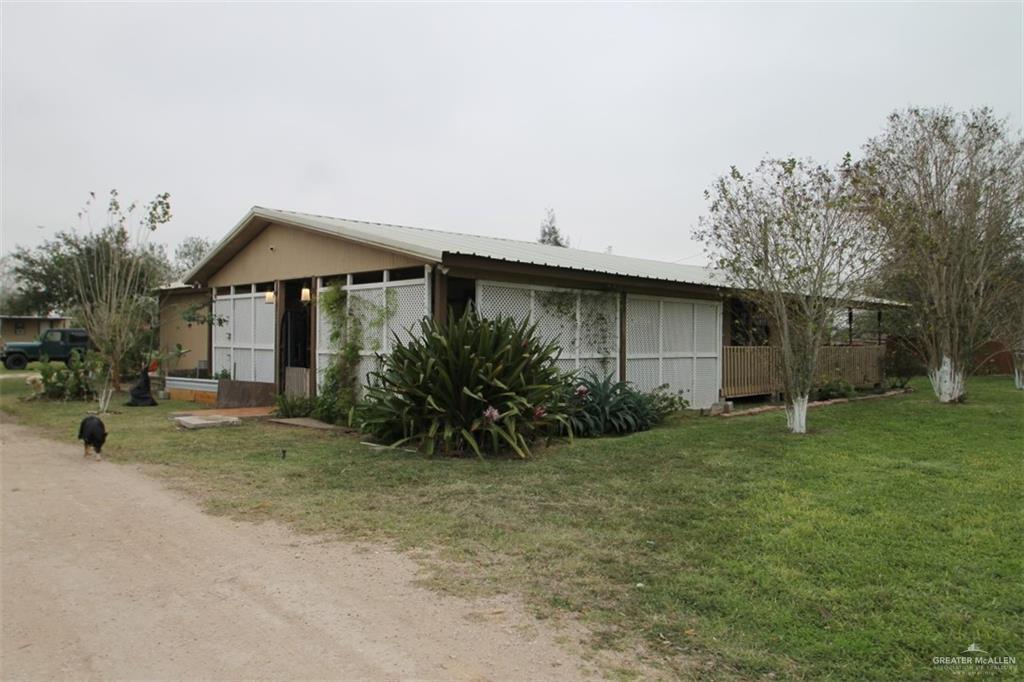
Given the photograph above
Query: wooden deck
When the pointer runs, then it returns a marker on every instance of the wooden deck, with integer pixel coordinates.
(755, 370)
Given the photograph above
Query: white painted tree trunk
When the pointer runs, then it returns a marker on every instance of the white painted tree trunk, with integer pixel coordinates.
(1018, 378)
(947, 381)
(796, 414)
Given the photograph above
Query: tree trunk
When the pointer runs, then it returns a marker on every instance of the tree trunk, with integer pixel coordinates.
(947, 381)
(796, 414)
(1018, 378)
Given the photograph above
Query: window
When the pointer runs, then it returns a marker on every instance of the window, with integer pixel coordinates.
(78, 337)
(19, 327)
(52, 335)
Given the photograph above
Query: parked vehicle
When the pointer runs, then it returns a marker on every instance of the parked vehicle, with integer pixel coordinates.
(53, 344)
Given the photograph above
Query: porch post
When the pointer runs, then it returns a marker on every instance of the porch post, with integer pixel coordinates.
(440, 293)
(622, 336)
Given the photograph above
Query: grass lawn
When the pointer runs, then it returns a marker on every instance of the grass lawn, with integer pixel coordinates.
(889, 535)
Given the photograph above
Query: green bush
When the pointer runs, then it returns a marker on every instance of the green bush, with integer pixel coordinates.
(837, 388)
(901, 363)
(597, 406)
(291, 406)
(75, 380)
(466, 386)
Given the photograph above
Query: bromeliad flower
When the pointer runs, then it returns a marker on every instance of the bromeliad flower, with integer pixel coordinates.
(539, 412)
(491, 415)
(582, 391)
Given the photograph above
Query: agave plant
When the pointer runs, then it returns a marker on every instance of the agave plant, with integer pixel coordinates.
(467, 386)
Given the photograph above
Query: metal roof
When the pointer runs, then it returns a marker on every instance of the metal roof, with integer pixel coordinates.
(432, 245)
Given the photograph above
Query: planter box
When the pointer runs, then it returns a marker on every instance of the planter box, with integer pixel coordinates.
(231, 393)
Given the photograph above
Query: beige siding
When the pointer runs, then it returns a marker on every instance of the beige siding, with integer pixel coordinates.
(174, 330)
(282, 252)
(31, 331)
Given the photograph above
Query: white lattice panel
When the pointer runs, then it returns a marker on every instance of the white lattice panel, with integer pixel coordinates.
(643, 373)
(249, 330)
(678, 374)
(367, 304)
(241, 358)
(675, 342)
(599, 325)
(705, 382)
(584, 324)
(242, 332)
(222, 332)
(709, 334)
(498, 301)
(599, 367)
(409, 310)
(221, 360)
(554, 313)
(676, 327)
(266, 321)
(264, 365)
(642, 327)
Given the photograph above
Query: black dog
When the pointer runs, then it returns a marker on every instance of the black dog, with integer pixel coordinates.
(94, 434)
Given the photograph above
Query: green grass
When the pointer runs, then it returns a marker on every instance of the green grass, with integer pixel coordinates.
(730, 549)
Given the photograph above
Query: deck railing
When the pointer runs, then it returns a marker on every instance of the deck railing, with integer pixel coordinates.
(755, 370)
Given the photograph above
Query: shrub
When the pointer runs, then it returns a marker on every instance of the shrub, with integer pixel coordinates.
(291, 406)
(596, 406)
(75, 380)
(901, 363)
(466, 386)
(837, 388)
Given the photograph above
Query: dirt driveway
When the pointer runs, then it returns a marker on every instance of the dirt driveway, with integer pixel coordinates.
(108, 574)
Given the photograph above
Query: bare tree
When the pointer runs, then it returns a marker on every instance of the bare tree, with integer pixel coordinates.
(946, 191)
(788, 237)
(112, 283)
(1008, 323)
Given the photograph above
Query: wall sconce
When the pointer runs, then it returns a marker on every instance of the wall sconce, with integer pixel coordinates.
(304, 295)
(269, 297)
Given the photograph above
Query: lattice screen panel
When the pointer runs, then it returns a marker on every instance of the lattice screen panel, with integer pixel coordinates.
(584, 324)
(674, 342)
(408, 301)
(243, 343)
(385, 309)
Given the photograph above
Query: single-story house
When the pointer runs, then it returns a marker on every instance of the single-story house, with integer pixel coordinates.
(29, 327)
(646, 321)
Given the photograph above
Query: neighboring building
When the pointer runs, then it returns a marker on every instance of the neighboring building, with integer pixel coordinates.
(646, 321)
(28, 327)
(175, 300)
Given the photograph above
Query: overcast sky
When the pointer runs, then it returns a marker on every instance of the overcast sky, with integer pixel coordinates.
(471, 118)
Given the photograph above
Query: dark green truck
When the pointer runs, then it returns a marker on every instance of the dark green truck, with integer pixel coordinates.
(53, 344)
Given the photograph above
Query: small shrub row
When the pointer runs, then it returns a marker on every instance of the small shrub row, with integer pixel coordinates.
(598, 406)
(75, 380)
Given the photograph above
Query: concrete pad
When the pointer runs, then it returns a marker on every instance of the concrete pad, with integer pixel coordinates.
(193, 422)
(307, 423)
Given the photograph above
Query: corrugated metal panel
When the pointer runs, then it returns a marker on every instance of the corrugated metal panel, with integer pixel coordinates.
(191, 384)
(432, 244)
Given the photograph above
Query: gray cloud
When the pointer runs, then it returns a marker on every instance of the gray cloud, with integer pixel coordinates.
(465, 117)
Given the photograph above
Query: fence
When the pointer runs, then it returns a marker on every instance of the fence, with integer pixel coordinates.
(755, 370)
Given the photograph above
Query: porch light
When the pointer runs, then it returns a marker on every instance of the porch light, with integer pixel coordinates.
(269, 297)
(304, 295)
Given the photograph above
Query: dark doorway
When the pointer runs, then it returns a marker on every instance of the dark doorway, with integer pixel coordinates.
(295, 337)
(461, 295)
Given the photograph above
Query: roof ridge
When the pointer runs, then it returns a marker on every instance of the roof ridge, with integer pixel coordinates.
(478, 236)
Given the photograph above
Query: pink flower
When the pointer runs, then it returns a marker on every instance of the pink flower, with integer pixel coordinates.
(491, 415)
(582, 391)
(539, 412)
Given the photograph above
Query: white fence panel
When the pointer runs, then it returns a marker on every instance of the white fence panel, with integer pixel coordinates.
(676, 342)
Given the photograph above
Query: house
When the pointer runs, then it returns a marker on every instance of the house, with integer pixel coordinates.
(645, 321)
(28, 327)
